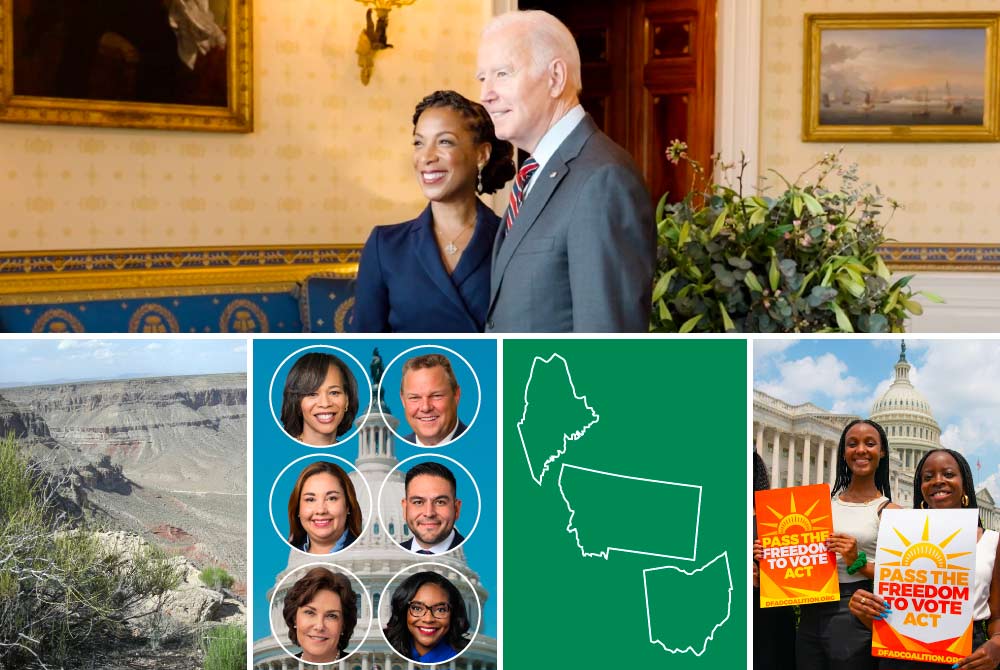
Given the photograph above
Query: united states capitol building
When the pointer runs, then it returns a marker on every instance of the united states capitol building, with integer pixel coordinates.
(798, 443)
(374, 558)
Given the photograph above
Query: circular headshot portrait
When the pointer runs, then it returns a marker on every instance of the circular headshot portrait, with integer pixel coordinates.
(316, 394)
(320, 504)
(438, 391)
(429, 505)
(315, 610)
(432, 615)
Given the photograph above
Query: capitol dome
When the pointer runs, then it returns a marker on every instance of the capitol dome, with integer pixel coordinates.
(909, 424)
(375, 558)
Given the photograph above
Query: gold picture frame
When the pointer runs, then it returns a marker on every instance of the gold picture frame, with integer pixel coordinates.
(158, 65)
(928, 77)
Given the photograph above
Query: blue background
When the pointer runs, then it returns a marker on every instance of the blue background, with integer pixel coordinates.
(476, 450)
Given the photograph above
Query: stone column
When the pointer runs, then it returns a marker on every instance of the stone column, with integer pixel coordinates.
(775, 465)
(805, 460)
(820, 455)
(833, 463)
(365, 661)
(759, 443)
(791, 461)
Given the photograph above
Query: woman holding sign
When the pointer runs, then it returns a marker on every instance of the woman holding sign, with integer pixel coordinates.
(773, 627)
(943, 480)
(829, 637)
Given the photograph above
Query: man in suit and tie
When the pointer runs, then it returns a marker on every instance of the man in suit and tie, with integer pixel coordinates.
(577, 248)
(430, 394)
(431, 508)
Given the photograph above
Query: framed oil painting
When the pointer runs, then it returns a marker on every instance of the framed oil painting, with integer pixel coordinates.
(173, 64)
(900, 78)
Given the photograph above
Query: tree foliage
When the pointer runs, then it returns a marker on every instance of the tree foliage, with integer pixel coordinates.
(225, 648)
(807, 259)
(62, 589)
(216, 577)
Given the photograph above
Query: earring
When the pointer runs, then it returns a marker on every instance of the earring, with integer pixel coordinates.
(479, 180)
(965, 501)
(923, 504)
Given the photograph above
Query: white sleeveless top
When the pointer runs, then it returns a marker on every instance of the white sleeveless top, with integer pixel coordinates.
(860, 521)
(986, 553)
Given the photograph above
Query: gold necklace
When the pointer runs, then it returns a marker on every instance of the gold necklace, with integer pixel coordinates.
(451, 248)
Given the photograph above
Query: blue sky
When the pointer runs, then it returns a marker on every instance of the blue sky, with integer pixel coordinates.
(959, 378)
(47, 360)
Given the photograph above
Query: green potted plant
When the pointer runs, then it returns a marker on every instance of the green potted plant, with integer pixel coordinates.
(804, 260)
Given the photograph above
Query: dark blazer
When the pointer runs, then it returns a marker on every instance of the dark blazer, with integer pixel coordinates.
(403, 286)
(412, 437)
(581, 254)
(457, 540)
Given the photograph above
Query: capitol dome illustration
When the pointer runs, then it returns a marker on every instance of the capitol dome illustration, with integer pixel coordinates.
(909, 424)
(375, 559)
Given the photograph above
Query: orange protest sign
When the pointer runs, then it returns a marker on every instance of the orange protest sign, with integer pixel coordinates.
(793, 525)
(925, 569)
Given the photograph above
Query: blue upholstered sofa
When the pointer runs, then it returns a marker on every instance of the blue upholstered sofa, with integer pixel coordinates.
(209, 290)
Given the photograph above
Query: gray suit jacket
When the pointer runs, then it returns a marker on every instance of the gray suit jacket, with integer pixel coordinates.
(581, 254)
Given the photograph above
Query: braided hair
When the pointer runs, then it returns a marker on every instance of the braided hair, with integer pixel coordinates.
(844, 474)
(761, 482)
(499, 169)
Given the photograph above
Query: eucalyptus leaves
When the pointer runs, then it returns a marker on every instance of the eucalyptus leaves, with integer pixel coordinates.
(805, 261)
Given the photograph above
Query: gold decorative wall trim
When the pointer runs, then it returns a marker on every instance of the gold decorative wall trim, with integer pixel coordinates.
(63, 297)
(146, 272)
(943, 257)
(48, 278)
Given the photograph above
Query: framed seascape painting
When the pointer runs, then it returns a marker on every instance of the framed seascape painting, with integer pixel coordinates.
(900, 78)
(175, 64)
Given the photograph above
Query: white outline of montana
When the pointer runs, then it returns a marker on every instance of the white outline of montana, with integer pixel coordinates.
(604, 554)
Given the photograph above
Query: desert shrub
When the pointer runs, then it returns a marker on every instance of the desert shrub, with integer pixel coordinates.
(225, 648)
(216, 577)
(62, 590)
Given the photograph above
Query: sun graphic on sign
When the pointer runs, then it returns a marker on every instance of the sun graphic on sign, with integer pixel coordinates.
(793, 519)
(925, 549)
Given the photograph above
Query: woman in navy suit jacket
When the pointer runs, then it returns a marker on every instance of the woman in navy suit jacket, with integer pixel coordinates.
(432, 274)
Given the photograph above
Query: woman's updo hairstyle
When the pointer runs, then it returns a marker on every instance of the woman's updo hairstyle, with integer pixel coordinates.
(500, 167)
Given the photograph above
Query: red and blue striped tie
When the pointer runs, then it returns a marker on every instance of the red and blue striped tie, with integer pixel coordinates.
(517, 192)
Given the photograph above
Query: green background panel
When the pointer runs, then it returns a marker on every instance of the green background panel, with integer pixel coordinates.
(672, 410)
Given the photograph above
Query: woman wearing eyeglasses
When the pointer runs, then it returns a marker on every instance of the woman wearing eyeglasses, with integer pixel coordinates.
(428, 622)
